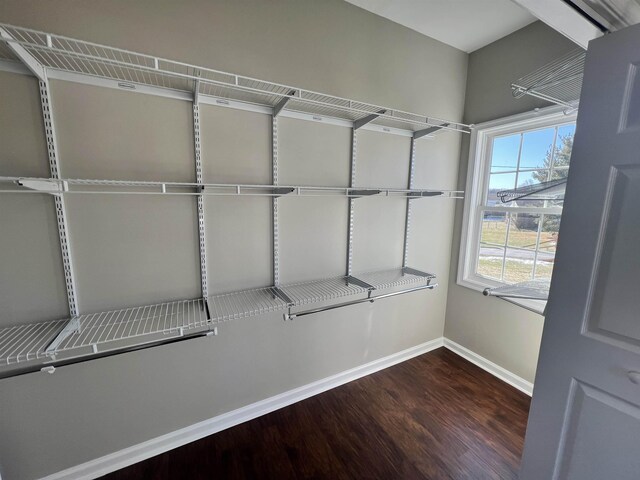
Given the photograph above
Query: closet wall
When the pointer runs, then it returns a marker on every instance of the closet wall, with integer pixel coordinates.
(501, 332)
(137, 250)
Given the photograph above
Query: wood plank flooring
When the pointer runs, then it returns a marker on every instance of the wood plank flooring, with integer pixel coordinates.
(436, 416)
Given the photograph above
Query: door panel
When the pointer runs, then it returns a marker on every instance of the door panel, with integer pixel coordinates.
(584, 421)
(601, 437)
(615, 300)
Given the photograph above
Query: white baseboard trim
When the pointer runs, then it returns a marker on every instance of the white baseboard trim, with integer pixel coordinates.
(496, 370)
(142, 451)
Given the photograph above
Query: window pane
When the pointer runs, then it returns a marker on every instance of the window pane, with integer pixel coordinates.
(544, 265)
(490, 261)
(532, 177)
(498, 182)
(567, 130)
(549, 233)
(494, 228)
(562, 154)
(505, 153)
(523, 230)
(519, 265)
(536, 148)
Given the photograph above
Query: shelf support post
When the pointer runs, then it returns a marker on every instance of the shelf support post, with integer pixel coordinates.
(352, 204)
(361, 122)
(274, 200)
(282, 103)
(61, 215)
(407, 223)
(428, 131)
(198, 160)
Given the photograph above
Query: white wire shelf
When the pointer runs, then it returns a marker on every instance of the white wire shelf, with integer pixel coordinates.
(90, 333)
(358, 284)
(551, 190)
(530, 290)
(24, 343)
(65, 54)
(246, 303)
(397, 277)
(559, 81)
(315, 291)
(95, 186)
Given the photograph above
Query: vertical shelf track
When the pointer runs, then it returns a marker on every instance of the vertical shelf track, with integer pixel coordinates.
(407, 223)
(352, 204)
(198, 164)
(274, 201)
(73, 325)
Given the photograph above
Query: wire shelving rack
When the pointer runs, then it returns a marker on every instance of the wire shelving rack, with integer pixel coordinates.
(86, 336)
(89, 334)
(559, 81)
(63, 54)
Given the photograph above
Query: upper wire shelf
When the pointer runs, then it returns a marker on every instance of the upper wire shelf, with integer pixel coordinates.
(75, 56)
(529, 290)
(551, 190)
(94, 186)
(559, 81)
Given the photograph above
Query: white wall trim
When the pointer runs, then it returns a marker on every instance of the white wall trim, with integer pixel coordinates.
(487, 365)
(142, 451)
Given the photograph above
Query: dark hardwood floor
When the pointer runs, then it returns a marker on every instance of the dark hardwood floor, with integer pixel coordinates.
(436, 416)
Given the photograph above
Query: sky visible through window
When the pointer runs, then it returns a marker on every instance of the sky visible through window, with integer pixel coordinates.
(507, 159)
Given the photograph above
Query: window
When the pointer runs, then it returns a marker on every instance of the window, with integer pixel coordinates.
(506, 243)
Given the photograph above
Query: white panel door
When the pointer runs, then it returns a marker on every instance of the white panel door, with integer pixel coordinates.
(585, 415)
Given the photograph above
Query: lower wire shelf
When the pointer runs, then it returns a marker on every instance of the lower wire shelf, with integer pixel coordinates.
(30, 347)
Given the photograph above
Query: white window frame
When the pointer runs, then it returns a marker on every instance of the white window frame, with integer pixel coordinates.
(477, 178)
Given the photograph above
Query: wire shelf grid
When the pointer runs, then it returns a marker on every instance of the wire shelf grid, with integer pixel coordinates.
(28, 342)
(397, 277)
(246, 303)
(70, 55)
(129, 323)
(23, 343)
(559, 81)
(305, 293)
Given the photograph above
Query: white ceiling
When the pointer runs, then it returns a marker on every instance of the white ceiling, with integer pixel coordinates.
(464, 24)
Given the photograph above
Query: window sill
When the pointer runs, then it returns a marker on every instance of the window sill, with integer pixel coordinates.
(535, 306)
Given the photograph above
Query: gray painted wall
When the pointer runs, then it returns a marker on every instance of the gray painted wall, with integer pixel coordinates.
(506, 334)
(131, 251)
